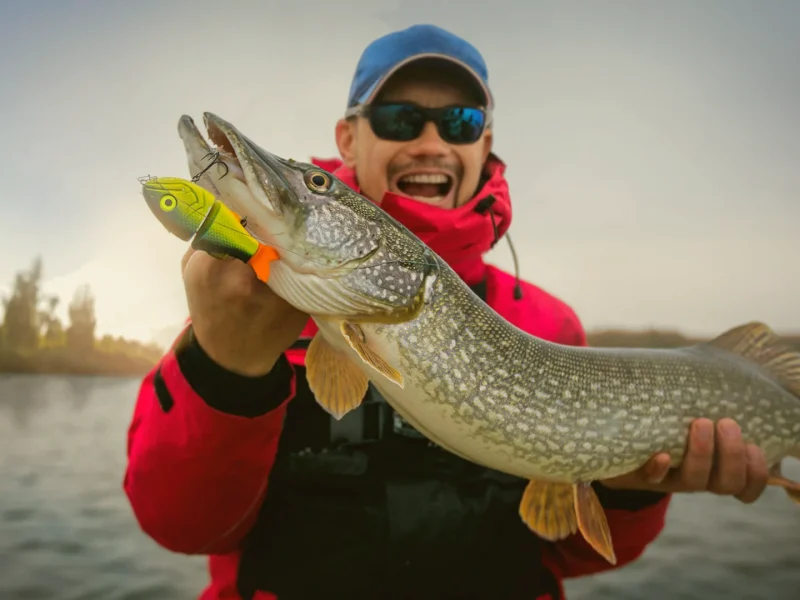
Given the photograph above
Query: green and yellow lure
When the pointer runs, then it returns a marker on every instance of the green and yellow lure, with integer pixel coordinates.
(190, 211)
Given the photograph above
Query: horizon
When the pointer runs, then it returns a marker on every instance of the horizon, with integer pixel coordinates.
(651, 151)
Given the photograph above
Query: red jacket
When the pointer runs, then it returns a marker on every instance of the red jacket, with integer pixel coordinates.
(197, 476)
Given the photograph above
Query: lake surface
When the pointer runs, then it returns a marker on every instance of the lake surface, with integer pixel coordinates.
(67, 531)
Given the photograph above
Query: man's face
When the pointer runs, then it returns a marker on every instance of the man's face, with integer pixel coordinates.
(408, 168)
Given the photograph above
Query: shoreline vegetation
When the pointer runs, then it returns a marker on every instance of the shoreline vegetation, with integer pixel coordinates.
(33, 340)
(660, 338)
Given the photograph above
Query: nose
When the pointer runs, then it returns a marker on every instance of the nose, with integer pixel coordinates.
(429, 143)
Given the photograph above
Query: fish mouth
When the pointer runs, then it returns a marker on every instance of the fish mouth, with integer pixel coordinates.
(245, 177)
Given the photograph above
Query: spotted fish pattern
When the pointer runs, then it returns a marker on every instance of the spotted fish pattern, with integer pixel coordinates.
(580, 414)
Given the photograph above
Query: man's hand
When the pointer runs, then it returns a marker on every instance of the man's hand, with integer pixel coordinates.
(237, 320)
(724, 466)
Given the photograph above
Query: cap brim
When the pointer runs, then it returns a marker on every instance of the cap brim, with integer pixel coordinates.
(375, 88)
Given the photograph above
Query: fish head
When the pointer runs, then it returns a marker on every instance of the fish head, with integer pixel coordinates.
(340, 254)
(177, 204)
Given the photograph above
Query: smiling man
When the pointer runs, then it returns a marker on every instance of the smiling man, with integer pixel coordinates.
(229, 454)
(441, 121)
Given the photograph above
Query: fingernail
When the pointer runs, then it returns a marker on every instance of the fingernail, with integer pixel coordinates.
(657, 472)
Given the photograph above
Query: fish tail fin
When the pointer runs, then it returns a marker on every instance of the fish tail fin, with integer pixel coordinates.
(757, 343)
(792, 488)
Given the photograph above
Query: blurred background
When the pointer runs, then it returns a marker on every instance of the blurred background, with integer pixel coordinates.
(652, 152)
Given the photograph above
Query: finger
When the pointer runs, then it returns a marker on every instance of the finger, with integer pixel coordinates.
(657, 468)
(729, 474)
(185, 258)
(757, 475)
(697, 463)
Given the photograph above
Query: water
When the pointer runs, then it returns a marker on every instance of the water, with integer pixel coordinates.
(67, 532)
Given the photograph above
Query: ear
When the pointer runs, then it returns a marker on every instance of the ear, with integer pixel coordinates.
(487, 144)
(346, 142)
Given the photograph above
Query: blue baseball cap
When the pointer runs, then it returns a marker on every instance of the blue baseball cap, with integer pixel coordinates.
(383, 57)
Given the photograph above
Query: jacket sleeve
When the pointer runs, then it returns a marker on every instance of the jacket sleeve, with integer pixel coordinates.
(201, 444)
(635, 518)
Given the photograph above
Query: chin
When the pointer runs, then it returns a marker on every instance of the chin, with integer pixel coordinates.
(446, 202)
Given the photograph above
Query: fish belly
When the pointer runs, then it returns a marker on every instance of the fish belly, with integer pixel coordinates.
(530, 430)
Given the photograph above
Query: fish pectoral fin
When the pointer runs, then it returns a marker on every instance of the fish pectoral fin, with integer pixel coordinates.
(358, 342)
(556, 510)
(592, 521)
(758, 343)
(548, 509)
(337, 384)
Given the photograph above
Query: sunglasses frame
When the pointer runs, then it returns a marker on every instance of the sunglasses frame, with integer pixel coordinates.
(431, 115)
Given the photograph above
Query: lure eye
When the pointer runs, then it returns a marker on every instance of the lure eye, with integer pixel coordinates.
(318, 181)
(168, 203)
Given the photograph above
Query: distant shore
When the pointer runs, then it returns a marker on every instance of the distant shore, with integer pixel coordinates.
(60, 361)
(655, 338)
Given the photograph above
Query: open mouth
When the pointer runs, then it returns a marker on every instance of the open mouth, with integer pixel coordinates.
(232, 168)
(427, 187)
(220, 142)
(222, 151)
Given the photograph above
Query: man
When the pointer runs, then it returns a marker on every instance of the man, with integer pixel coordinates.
(230, 456)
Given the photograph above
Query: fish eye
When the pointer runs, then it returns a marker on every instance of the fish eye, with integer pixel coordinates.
(168, 203)
(317, 181)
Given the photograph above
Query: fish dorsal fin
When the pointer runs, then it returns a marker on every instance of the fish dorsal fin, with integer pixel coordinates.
(758, 343)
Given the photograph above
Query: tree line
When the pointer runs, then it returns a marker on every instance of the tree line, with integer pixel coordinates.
(34, 339)
(655, 338)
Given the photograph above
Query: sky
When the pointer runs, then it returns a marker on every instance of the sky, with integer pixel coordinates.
(653, 148)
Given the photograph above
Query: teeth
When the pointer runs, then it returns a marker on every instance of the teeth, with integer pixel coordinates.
(436, 178)
(235, 169)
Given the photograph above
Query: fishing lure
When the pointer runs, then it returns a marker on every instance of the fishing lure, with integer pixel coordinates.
(191, 212)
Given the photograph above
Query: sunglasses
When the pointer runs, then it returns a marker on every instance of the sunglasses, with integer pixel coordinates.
(403, 122)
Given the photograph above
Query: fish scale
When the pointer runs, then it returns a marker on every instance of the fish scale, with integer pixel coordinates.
(392, 313)
(575, 414)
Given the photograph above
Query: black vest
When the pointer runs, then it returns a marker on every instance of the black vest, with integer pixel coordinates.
(366, 507)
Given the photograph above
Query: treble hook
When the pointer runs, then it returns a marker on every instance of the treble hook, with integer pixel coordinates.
(146, 178)
(215, 160)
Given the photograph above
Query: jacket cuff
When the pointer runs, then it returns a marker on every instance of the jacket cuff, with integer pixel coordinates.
(230, 392)
(630, 500)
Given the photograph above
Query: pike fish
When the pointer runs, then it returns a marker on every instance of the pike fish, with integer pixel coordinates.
(392, 312)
